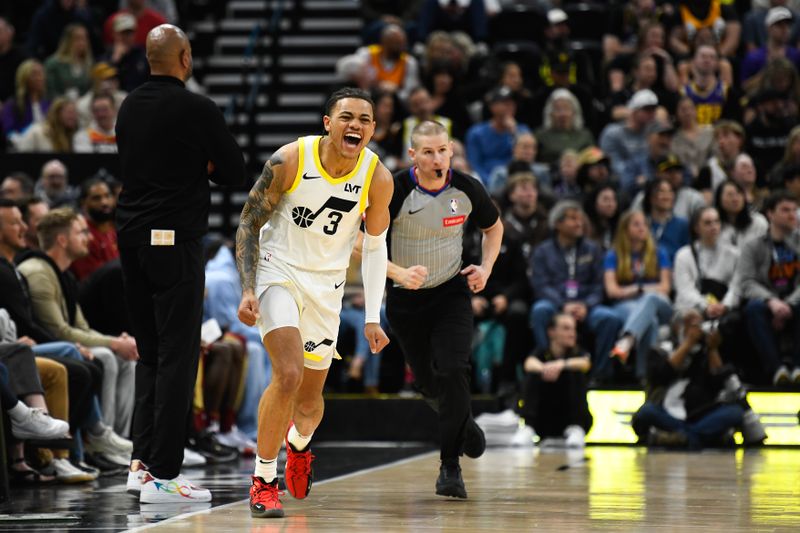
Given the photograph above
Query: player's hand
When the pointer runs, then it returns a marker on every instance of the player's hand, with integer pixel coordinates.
(476, 277)
(376, 337)
(248, 309)
(210, 168)
(413, 277)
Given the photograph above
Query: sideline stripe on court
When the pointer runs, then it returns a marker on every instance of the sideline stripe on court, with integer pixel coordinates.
(337, 478)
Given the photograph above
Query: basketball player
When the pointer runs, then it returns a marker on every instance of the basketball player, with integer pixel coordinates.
(429, 304)
(293, 246)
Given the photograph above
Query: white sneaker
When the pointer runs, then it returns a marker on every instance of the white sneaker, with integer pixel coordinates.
(177, 490)
(191, 458)
(574, 437)
(504, 418)
(550, 443)
(523, 437)
(227, 439)
(66, 472)
(781, 376)
(81, 465)
(238, 440)
(122, 444)
(134, 483)
(108, 442)
(117, 459)
(36, 424)
(796, 375)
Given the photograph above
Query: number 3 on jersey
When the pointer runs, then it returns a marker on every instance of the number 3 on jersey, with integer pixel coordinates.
(304, 217)
(331, 228)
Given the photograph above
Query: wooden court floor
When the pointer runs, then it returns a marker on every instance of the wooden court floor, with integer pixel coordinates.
(514, 490)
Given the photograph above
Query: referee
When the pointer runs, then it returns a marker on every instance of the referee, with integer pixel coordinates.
(429, 304)
(171, 142)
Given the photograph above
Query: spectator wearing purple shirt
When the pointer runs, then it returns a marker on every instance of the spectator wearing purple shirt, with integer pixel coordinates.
(779, 29)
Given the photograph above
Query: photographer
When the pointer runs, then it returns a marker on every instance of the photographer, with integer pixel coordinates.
(688, 401)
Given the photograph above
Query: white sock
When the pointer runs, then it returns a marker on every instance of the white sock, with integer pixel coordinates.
(297, 440)
(19, 411)
(266, 469)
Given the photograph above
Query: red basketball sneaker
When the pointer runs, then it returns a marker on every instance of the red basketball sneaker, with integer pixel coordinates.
(265, 499)
(298, 475)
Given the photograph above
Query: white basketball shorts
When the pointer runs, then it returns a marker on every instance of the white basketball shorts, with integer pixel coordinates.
(318, 299)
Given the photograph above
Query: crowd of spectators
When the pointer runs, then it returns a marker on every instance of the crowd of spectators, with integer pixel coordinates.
(646, 164)
(65, 72)
(64, 324)
(644, 154)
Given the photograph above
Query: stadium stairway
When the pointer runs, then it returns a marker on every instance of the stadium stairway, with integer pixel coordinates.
(291, 80)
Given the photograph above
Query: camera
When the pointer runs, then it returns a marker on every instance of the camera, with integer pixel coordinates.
(708, 326)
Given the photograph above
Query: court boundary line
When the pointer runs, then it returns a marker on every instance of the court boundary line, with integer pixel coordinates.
(323, 482)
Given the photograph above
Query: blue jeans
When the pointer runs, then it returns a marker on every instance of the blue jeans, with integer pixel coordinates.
(256, 379)
(758, 318)
(352, 318)
(698, 433)
(642, 317)
(603, 322)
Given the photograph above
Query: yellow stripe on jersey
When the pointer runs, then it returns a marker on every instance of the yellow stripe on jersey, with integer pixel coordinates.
(300, 163)
(313, 357)
(328, 177)
(367, 182)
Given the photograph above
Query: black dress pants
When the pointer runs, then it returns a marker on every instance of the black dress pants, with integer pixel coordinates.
(434, 329)
(164, 290)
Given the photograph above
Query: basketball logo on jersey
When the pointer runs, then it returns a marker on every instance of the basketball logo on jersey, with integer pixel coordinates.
(310, 346)
(453, 206)
(304, 217)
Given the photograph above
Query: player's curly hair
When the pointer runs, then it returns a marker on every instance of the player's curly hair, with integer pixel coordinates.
(348, 92)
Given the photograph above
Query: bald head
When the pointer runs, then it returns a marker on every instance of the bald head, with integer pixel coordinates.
(393, 40)
(169, 52)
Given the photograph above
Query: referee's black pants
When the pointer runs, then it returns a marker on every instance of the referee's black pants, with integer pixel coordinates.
(164, 289)
(434, 328)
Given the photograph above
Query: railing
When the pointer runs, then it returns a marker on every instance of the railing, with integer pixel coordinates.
(253, 74)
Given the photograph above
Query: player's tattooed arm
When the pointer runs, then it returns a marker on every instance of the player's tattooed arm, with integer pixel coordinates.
(260, 204)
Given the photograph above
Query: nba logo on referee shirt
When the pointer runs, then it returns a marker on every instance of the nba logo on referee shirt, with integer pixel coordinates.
(453, 206)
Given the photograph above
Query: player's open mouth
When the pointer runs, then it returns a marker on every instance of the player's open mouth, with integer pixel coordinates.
(352, 139)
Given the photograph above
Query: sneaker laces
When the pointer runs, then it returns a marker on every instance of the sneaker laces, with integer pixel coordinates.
(265, 493)
(300, 465)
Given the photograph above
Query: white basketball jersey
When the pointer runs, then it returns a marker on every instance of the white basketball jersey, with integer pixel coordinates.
(315, 224)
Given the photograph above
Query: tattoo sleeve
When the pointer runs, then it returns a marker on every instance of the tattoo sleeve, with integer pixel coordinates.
(257, 209)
